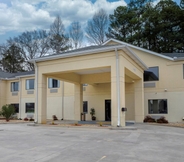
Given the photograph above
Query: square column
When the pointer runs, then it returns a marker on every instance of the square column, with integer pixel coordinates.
(78, 101)
(114, 95)
(42, 99)
(139, 100)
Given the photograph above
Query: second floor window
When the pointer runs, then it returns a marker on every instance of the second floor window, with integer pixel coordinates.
(53, 83)
(152, 74)
(14, 86)
(29, 84)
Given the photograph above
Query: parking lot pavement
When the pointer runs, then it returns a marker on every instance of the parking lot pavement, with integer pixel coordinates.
(149, 143)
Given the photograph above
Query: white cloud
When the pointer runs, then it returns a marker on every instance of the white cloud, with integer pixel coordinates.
(24, 15)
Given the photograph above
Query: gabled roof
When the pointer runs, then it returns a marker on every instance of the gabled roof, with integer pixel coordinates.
(91, 50)
(174, 55)
(5, 75)
(139, 48)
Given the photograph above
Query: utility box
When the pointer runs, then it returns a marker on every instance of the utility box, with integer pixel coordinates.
(123, 109)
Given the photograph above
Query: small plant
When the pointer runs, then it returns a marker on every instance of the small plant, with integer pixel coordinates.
(26, 119)
(162, 120)
(149, 119)
(54, 117)
(7, 111)
(92, 113)
(76, 124)
(31, 119)
(100, 124)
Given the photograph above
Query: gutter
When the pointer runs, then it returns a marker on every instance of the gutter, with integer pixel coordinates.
(139, 48)
(17, 77)
(36, 90)
(22, 76)
(73, 54)
(62, 100)
(178, 58)
(20, 89)
(117, 86)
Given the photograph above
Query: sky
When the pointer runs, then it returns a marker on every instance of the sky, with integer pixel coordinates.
(17, 16)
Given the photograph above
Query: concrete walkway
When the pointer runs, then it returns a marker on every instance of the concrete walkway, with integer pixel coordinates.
(149, 143)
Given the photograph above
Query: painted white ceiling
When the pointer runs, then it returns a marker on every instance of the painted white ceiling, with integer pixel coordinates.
(93, 71)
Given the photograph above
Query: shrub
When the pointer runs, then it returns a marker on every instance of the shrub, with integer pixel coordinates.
(54, 117)
(26, 119)
(149, 119)
(7, 111)
(31, 119)
(162, 120)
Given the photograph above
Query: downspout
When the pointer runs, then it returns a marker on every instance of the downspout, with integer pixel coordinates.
(62, 100)
(36, 90)
(20, 93)
(117, 86)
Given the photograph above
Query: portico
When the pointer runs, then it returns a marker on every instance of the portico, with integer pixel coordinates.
(113, 64)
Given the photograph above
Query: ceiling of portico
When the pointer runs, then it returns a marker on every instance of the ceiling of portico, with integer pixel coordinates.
(93, 71)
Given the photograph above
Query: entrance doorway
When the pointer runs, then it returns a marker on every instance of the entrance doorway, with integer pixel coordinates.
(107, 110)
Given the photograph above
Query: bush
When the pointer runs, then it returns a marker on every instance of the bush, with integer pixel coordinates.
(149, 119)
(26, 119)
(54, 117)
(162, 120)
(7, 111)
(31, 119)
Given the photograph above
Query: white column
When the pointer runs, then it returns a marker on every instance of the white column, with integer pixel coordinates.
(139, 100)
(117, 84)
(78, 100)
(42, 98)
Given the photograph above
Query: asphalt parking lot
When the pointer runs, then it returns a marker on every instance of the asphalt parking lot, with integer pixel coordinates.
(22, 143)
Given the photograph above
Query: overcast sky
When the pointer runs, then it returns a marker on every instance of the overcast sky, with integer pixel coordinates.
(17, 16)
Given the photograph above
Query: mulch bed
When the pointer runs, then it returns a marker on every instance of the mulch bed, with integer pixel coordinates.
(180, 125)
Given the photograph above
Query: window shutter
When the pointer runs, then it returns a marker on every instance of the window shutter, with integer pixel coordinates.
(50, 82)
(27, 84)
(12, 87)
(58, 83)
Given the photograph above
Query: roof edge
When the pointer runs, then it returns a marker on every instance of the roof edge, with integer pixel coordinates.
(73, 54)
(139, 48)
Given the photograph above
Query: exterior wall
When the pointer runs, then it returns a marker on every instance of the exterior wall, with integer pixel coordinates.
(129, 101)
(25, 97)
(10, 98)
(54, 102)
(3, 92)
(171, 79)
(96, 95)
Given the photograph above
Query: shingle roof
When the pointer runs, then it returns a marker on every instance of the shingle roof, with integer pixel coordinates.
(172, 55)
(5, 75)
(83, 49)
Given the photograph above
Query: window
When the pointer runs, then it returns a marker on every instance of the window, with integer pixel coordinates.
(14, 86)
(85, 106)
(157, 106)
(53, 83)
(29, 84)
(30, 107)
(16, 106)
(152, 74)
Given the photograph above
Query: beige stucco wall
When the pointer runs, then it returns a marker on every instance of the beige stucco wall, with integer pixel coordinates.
(171, 79)
(3, 92)
(9, 97)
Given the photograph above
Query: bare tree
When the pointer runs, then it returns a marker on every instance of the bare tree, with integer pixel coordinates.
(76, 34)
(97, 27)
(58, 39)
(32, 44)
